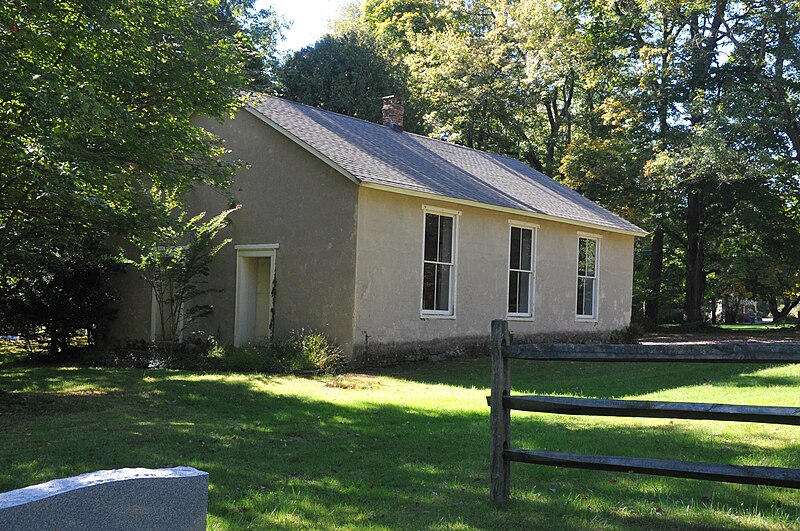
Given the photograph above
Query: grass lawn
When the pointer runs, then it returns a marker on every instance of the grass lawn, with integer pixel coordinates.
(403, 448)
(761, 327)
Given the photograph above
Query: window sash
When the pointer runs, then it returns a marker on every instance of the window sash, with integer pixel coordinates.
(586, 299)
(438, 264)
(520, 272)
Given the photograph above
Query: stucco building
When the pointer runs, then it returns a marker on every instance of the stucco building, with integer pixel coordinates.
(397, 244)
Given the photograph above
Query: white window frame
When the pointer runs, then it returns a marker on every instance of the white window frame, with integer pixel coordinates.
(534, 228)
(451, 312)
(596, 285)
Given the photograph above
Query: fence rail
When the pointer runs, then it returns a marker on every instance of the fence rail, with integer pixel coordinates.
(502, 402)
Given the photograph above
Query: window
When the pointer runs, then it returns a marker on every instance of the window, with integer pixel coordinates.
(438, 265)
(520, 272)
(587, 278)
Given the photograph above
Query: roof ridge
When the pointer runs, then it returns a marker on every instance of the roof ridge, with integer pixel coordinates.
(292, 102)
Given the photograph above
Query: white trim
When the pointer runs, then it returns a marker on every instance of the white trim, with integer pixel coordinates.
(441, 211)
(590, 235)
(440, 314)
(302, 143)
(507, 210)
(595, 316)
(532, 287)
(523, 224)
(268, 250)
(257, 247)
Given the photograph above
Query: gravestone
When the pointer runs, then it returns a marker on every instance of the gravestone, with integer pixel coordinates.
(123, 499)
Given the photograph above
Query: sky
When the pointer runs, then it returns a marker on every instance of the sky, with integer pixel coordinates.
(309, 19)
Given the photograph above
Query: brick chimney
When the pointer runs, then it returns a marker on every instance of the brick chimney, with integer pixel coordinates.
(393, 112)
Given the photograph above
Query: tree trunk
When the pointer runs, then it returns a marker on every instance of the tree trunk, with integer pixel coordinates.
(695, 277)
(656, 269)
(779, 316)
(730, 309)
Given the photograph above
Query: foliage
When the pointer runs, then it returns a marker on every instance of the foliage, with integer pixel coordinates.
(345, 74)
(469, 77)
(297, 352)
(59, 297)
(304, 350)
(96, 138)
(174, 264)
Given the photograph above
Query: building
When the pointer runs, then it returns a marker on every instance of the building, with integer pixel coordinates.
(397, 245)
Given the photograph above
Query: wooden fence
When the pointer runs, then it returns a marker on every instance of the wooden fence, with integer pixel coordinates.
(502, 402)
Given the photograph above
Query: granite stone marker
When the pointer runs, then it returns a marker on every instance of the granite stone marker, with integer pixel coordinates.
(124, 499)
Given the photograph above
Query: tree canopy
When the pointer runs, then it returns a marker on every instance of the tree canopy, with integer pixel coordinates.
(96, 99)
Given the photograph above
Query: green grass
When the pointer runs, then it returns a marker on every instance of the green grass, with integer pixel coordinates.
(755, 327)
(403, 448)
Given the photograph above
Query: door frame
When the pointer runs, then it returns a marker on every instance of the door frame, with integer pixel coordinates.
(245, 288)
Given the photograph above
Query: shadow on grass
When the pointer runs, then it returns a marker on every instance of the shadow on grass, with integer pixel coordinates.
(282, 461)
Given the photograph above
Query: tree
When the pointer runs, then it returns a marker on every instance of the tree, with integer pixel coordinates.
(174, 264)
(345, 74)
(96, 99)
(59, 297)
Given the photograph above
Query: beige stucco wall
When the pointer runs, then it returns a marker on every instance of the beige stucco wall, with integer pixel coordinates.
(388, 274)
(292, 199)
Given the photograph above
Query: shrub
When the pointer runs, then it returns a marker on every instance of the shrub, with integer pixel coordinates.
(296, 352)
(252, 358)
(302, 351)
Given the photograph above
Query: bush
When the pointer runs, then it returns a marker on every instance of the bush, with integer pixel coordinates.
(252, 358)
(299, 351)
(302, 351)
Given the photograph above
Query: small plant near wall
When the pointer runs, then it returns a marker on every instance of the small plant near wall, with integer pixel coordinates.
(299, 351)
(304, 350)
(175, 264)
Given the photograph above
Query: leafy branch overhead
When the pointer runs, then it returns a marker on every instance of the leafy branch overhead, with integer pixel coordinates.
(97, 142)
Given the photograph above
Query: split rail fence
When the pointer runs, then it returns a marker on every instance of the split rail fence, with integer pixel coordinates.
(502, 402)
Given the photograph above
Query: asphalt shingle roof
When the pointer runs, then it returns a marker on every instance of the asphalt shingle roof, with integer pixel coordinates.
(377, 154)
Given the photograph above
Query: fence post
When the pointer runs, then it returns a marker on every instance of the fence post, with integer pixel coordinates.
(500, 417)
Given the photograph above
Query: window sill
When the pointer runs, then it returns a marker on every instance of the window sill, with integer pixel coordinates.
(579, 319)
(528, 318)
(436, 316)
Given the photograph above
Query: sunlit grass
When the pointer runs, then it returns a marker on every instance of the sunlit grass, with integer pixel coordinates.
(404, 448)
(761, 327)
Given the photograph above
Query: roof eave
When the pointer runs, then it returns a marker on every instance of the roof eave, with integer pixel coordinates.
(508, 210)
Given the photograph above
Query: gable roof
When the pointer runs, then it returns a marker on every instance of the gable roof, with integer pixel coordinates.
(378, 156)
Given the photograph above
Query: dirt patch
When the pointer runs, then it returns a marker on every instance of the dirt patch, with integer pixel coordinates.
(352, 381)
(707, 337)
